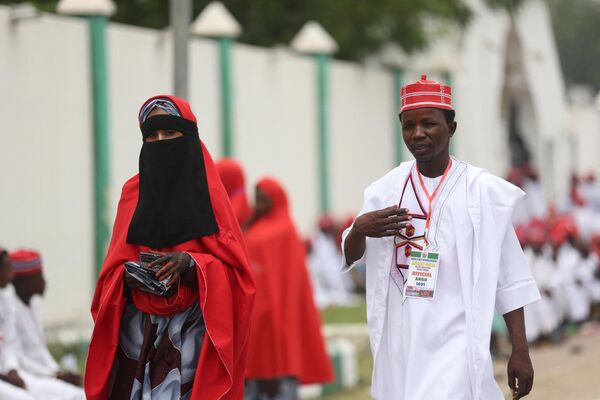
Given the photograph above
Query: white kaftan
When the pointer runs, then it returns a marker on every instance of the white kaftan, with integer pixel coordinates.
(10, 392)
(569, 265)
(542, 317)
(439, 349)
(415, 325)
(38, 377)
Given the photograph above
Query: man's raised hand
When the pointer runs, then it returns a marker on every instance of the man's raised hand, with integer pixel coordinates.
(381, 223)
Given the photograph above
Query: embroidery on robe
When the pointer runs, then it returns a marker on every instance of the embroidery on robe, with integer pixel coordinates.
(412, 237)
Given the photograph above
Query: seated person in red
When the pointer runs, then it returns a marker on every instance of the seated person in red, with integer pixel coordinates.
(191, 344)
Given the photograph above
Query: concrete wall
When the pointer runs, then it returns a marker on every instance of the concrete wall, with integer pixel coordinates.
(45, 154)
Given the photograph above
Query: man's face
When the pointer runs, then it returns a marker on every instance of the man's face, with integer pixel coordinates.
(426, 132)
(33, 283)
(6, 272)
(162, 134)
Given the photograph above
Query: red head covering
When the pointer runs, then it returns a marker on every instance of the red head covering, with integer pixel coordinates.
(515, 176)
(225, 294)
(326, 221)
(232, 176)
(595, 243)
(590, 177)
(425, 93)
(563, 228)
(276, 193)
(25, 262)
(537, 232)
(183, 107)
(521, 231)
(285, 319)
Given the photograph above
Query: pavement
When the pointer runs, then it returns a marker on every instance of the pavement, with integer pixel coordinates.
(568, 371)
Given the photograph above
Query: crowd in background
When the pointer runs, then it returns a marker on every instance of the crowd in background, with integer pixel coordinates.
(561, 240)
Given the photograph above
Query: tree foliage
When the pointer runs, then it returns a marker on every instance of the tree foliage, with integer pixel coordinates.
(359, 26)
(362, 26)
(577, 30)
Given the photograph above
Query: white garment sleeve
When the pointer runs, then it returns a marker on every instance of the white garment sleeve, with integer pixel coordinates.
(8, 391)
(362, 260)
(368, 206)
(9, 345)
(34, 356)
(516, 286)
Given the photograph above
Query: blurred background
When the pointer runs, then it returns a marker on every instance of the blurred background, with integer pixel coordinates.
(306, 91)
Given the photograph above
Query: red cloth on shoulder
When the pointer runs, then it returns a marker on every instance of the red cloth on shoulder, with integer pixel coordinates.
(285, 337)
(225, 294)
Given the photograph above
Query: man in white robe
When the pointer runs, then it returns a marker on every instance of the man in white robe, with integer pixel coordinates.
(438, 348)
(541, 317)
(569, 264)
(11, 384)
(36, 366)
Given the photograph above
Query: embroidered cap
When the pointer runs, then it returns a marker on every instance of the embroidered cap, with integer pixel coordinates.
(425, 93)
(25, 262)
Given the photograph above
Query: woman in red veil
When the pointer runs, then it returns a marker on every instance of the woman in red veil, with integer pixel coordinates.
(192, 344)
(286, 346)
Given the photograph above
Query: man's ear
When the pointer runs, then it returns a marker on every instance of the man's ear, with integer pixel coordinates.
(452, 126)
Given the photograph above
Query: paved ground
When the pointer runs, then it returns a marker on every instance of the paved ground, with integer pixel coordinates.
(569, 371)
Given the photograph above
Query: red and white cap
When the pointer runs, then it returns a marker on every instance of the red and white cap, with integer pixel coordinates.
(426, 94)
(25, 262)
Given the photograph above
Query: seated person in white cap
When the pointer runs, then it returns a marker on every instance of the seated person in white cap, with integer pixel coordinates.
(11, 385)
(36, 366)
(440, 254)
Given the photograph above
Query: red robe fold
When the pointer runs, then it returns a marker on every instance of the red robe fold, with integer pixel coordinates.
(285, 338)
(225, 294)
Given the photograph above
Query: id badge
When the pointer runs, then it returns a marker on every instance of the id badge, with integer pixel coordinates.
(422, 275)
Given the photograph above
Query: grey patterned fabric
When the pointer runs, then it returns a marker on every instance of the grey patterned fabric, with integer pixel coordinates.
(157, 356)
(286, 388)
(164, 104)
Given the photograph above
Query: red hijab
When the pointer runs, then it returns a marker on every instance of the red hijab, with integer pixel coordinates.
(225, 294)
(285, 320)
(232, 176)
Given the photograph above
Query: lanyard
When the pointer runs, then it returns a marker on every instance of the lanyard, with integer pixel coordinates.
(431, 197)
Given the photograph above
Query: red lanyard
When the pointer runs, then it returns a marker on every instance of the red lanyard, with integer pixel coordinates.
(431, 197)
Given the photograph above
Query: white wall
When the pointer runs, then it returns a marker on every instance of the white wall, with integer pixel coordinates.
(45, 154)
(362, 120)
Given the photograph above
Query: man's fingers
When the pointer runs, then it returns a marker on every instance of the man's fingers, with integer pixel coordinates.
(393, 210)
(511, 380)
(525, 386)
(396, 218)
(396, 227)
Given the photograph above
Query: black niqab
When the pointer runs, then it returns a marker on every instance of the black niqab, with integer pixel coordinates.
(174, 203)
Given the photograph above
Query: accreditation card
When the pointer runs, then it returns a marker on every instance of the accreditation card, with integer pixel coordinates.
(422, 275)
